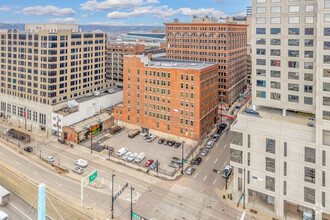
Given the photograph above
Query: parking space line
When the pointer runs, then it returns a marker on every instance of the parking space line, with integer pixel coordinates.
(204, 178)
(207, 158)
(224, 164)
(215, 181)
(195, 175)
(216, 160)
(226, 146)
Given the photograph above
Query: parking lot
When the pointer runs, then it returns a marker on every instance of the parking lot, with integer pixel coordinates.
(152, 150)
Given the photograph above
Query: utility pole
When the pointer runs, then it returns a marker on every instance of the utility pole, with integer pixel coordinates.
(113, 175)
(182, 157)
(221, 112)
(58, 132)
(244, 191)
(25, 117)
(91, 136)
(132, 202)
(157, 167)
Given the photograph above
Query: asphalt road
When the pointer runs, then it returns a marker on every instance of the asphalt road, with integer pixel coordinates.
(217, 158)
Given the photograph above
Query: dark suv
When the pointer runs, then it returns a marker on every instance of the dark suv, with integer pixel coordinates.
(28, 149)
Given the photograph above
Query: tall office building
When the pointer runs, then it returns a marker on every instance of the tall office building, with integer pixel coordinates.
(209, 41)
(172, 99)
(47, 65)
(284, 148)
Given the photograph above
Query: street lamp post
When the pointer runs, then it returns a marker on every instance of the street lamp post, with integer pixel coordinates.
(113, 175)
(182, 157)
(58, 132)
(91, 135)
(132, 202)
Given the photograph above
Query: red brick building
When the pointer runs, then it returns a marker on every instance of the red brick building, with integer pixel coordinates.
(223, 43)
(169, 97)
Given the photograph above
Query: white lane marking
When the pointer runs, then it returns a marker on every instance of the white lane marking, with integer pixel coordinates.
(216, 160)
(215, 181)
(204, 178)
(20, 211)
(36, 173)
(207, 158)
(195, 175)
(243, 215)
(226, 146)
(224, 164)
(17, 162)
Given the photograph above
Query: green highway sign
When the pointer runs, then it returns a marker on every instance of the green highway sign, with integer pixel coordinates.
(93, 176)
(135, 215)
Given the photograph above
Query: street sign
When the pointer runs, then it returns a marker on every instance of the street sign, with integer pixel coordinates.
(93, 176)
(138, 216)
(216, 171)
(120, 192)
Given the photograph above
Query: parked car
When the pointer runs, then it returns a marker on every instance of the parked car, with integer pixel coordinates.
(122, 151)
(209, 144)
(28, 149)
(3, 215)
(145, 136)
(148, 163)
(160, 141)
(176, 160)
(227, 171)
(204, 152)
(127, 155)
(166, 142)
(132, 157)
(197, 161)
(78, 170)
(133, 133)
(154, 165)
(61, 141)
(81, 163)
(50, 159)
(177, 144)
(190, 170)
(151, 138)
(250, 111)
(222, 128)
(171, 143)
(215, 137)
(140, 157)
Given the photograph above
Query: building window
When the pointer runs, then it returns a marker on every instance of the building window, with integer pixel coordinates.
(261, 41)
(293, 87)
(293, 64)
(326, 31)
(270, 164)
(326, 17)
(294, 20)
(308, 54)
(275, 31)
(293, 75)
(309, 155)
(285, 149)
(293, 42)
(308, 76)
(270, 146)
(276, 63)
(261, 51)
(261, 30)
(309, 20)
(326, 87)
(326, 59)
(309, 175)
(284, 188)
(236, 138)
(275, 85)
(323, 199)
(261, 83)
(249, 140)
(293, 98)
(309, 31)
(308, 100)
(275, 96)
(293, 53)
(248, 158)
(275, 52)
(324, 158)
(261, 94)
(294, 31)
(275, 73)
(260, 10)
(284, 168)
(326, 115)
(294, 9)
(308, 88)
(275, 41)
(261, 62)
(309, 43)
(275, 9)
(309, 195)
(309, 8)
(236, 156)
(261, 20)
(270, 183)
(323, 178)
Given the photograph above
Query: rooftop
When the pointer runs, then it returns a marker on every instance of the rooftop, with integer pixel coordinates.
(170, 63)
(90, 122)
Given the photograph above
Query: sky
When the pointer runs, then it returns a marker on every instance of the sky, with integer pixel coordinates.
(116, 12)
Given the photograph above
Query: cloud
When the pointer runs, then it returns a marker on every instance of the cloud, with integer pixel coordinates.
(109, 23)
(63, 20)
(151, 2)
(201, 12)
(160, 12)
(219, 1)
(5, 8)
(241, 14)
(47, 10)
(110, 5)
(84, 15)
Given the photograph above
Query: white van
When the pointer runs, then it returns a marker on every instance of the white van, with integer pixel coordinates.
(3, 215)
(122, 151)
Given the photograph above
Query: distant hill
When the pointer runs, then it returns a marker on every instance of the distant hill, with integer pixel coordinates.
(90, 28)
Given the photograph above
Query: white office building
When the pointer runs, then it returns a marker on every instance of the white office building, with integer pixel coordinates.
(285, 150)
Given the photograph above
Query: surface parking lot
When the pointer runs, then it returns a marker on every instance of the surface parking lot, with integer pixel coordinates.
(152, 150)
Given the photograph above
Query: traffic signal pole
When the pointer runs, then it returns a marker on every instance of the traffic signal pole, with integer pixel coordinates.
(182, 157)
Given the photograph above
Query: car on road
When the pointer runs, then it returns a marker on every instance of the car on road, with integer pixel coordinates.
(197, 161)
(50, 159)
(127, 155)
(148, 163)
(209, 144)
(166, 142)
(154, 165)
(151, 138)
(176, 160)
(227, 171)
(215, 137)
(160, 141)
(177, 144)
(190, 170)
(28, 149)
(252, 112)
(204, 152)
(222, 128)
(81, 163)
(140, 157)
(3, 215)
(122, 151)
(132, 157)
(78, 170)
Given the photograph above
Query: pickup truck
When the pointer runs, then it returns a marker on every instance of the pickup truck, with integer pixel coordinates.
(4, 196)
